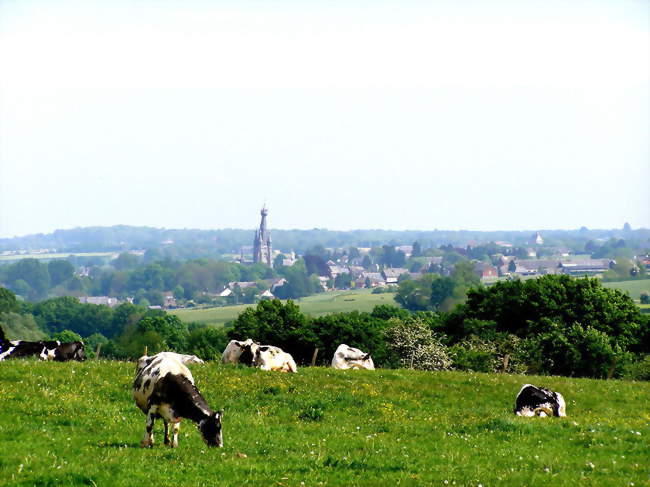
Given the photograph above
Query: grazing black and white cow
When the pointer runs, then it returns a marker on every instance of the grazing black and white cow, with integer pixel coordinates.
(268, 357)
(538, 401)
(237, 352)
(347, 357)
(164, 388)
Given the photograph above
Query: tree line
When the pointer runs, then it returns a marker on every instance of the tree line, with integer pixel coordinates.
(556, 324)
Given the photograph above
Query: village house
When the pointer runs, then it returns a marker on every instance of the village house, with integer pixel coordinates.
(105, 300)
(586, 267)
(391, 275)
(371, 279)
(486, 271)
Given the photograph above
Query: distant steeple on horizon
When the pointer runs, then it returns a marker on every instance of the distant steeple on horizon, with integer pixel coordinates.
(262, 243)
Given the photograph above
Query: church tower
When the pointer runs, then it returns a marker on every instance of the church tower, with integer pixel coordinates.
(262, 243)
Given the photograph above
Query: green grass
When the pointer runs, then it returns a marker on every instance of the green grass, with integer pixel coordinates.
(634, 288)
(76, 424)
(316, 305)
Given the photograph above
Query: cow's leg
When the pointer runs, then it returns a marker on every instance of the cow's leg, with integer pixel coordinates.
(175, 428)
(147, 441)
(166, 432)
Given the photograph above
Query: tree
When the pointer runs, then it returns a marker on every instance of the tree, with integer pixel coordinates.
(34, 274)
(166, 331)
(126, 261)
(60, 271)
(353, 253)
(278, 261)
(20, 327)
(360, 330)
(272, 322)
(512, 266)
(8, 301)
(315, 264)
(207, 342)
(519, 307)
(415, 346)
(417, 249)
(66, 336)
(442, 288)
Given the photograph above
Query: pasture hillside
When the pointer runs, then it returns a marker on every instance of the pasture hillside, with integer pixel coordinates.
(75, 424)
(316, 305)
(633, 288)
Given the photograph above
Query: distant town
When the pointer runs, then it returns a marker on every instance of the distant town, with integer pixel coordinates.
(167, 274)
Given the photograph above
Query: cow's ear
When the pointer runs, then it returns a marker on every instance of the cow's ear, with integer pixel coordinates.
(219, 414)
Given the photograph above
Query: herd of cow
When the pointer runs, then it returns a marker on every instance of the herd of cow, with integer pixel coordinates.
(164, 387)
(45, 350)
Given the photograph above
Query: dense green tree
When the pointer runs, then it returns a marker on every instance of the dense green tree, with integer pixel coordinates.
(360, 330)
(34, 273)
(22, 288)
(20, 326)
(516, 306)
(207, 342)
(60, 271)
(275, 323)
(66, 336)
(388, 311)
(8, 301)
(126, 261)
(442, 288)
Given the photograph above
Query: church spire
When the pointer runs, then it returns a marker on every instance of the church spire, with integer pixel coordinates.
(262, 243)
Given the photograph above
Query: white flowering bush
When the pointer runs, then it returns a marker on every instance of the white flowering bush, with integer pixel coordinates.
(415, 346)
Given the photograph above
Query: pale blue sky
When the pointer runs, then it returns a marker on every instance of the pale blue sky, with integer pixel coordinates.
(397, 115)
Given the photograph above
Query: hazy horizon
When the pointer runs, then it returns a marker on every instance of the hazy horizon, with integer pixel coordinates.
(506, 115)
(272, 228)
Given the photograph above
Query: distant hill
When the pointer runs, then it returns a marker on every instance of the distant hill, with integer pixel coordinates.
(123, 237)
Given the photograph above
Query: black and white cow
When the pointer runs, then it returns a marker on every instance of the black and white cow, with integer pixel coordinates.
(347, 357)
(538, 401)
(237, 352)
(45, 350)
(67, 351)
(164, 388)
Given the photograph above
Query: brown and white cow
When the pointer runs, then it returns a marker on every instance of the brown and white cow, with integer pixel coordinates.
(164, 388)
(347, 357)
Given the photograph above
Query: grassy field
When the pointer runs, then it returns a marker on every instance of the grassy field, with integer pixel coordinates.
(316, 305)
(76, 424)
(634, 288)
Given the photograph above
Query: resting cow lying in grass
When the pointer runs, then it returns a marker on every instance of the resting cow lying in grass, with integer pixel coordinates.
(537, 401)
(347, 357)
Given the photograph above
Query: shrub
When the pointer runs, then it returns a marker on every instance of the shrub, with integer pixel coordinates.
(645, 297)
(475, 355)
(415, 346)
(67, 336)
(639, 370)
(502, 354)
